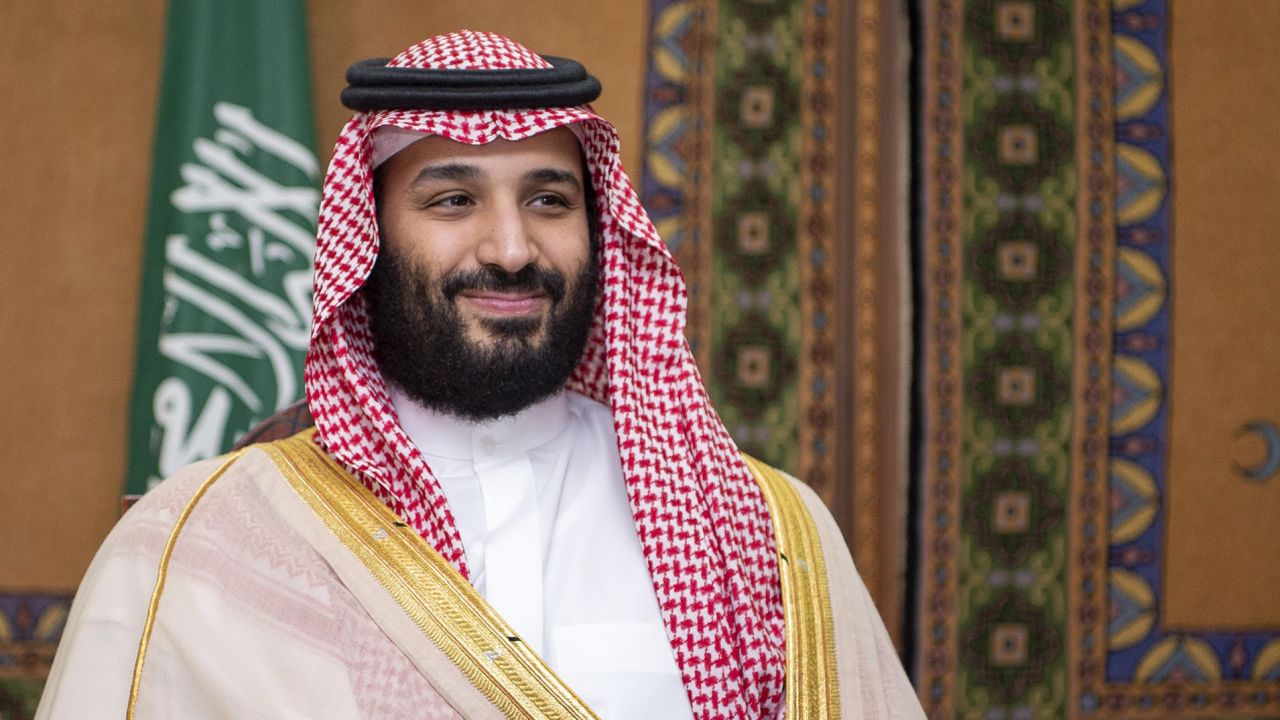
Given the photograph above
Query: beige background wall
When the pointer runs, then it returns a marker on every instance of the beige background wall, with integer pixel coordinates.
(79, 80)
(1226, 317)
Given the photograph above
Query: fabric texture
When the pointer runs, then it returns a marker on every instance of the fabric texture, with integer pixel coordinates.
(253, 621)
(701, 520)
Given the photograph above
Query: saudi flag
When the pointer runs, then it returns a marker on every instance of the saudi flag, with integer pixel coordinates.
(226, 283)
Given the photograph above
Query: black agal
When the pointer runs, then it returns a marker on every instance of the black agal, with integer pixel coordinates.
(374, 86)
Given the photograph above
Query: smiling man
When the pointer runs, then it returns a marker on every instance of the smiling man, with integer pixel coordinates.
(486, 285)
(516, 500)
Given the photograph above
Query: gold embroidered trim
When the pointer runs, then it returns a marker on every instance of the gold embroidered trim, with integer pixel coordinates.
(813, 690)
(438, 600)
(161, 575)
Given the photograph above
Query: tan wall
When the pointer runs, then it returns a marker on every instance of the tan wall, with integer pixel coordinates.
(1226, 317)
(80, 81)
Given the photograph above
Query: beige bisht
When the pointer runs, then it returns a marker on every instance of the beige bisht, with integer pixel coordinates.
(273, 584)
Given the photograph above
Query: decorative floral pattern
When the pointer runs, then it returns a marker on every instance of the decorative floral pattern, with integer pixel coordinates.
(1046, 276)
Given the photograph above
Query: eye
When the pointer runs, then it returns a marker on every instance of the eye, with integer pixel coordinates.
(549, 200)
(453, 201)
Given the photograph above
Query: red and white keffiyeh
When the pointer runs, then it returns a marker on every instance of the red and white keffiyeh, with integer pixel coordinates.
(701, 519)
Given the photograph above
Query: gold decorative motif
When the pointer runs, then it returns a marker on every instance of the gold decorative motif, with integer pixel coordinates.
(1016, 386)
(753, 233)
(756, 109)
(753, 366)
(1018, 260)
(1009, 645)
(1016, 21)
(812, 685)
(1013, 512)
(1018, 145)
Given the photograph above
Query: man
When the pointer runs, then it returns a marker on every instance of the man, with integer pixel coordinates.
(516, 500)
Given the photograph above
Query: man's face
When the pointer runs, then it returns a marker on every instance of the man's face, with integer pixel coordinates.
(484, 288)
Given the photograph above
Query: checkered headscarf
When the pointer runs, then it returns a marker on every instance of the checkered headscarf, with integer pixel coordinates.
(701, 519)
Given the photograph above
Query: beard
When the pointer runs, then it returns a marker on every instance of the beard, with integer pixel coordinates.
(421, 343)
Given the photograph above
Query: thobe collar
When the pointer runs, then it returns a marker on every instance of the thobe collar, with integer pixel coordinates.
(448, 436)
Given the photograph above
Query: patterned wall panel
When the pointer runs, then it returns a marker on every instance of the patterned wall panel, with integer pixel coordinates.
(727, 130)
(1046, 271)
(1004, 186)
(775, 173)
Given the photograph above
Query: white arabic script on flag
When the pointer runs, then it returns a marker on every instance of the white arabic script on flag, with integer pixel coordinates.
(248, 278)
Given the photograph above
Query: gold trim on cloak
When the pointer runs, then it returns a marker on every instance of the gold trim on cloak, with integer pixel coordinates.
(474, 636)
(161, 575)
(432, 593)
(813, 689)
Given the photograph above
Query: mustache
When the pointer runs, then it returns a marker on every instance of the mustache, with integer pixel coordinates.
(493, 278)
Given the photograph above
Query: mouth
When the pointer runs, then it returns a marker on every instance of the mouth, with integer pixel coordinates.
(515, 303)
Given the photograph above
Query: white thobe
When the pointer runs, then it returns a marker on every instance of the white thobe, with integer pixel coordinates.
(539, 500)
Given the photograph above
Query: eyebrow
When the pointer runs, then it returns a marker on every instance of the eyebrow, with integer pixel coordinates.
(450, 171)
(553, 175)
(458, 172)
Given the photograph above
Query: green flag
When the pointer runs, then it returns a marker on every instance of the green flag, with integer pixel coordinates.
(226, 283)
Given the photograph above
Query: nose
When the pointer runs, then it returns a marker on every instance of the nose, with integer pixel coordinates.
(507, 242)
